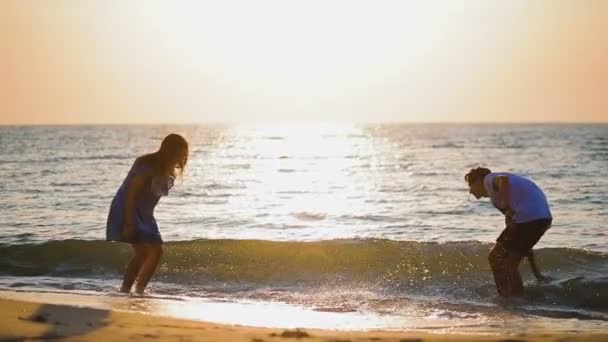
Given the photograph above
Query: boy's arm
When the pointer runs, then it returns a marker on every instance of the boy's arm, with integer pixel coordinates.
(501, 186)
(137, 184)
(534, 267)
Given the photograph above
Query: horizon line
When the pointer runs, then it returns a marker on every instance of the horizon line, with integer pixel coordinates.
(230, 123)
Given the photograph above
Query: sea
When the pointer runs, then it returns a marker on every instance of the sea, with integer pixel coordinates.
(362, 226)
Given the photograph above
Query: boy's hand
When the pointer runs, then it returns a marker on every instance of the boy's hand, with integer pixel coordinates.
(128, 231)
(509, 213)
(543, 279)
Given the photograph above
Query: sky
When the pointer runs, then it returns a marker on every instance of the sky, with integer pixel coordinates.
(147, 62)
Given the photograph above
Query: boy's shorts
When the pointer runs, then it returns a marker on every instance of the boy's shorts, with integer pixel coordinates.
(521, 237)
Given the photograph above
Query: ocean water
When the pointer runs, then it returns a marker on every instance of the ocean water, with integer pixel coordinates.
(333, 217)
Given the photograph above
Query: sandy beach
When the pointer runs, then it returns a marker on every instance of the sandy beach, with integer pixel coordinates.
(38, 320)
(304, 170)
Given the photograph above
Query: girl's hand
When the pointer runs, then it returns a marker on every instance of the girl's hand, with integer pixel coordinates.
(128, 231)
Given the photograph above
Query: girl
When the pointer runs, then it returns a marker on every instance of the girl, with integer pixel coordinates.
(131, 217)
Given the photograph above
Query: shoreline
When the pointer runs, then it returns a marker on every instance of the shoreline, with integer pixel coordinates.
(26, 315)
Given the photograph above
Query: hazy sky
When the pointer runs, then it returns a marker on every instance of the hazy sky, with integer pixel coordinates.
(194, 61)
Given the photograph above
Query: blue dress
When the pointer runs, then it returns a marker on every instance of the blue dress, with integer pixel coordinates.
(146, 228)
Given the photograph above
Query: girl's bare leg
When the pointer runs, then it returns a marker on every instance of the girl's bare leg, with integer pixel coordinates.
(152, 257)
(133, 267)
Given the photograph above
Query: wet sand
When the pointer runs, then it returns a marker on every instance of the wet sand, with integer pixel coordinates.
(24, 320)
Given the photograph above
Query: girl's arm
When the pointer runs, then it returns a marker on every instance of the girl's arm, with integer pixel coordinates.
(137, 184)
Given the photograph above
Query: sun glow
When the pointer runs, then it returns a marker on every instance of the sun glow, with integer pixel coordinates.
(303, 158)
(283, 58)
(186, 61)
(290, 39)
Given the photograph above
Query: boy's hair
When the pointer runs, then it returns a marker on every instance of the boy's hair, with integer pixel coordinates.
(476, 173)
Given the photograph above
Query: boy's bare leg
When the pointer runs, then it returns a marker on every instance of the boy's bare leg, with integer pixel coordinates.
(532, 260)
(498, 262)
(505, 267)
(133, 267)
(153, 253)
(516, 284)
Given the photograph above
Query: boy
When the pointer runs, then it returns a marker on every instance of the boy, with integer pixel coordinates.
(527, 217)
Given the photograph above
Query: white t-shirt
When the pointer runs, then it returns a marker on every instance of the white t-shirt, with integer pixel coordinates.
(526, 199)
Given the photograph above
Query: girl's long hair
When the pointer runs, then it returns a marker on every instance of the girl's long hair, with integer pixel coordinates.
(172, 156)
